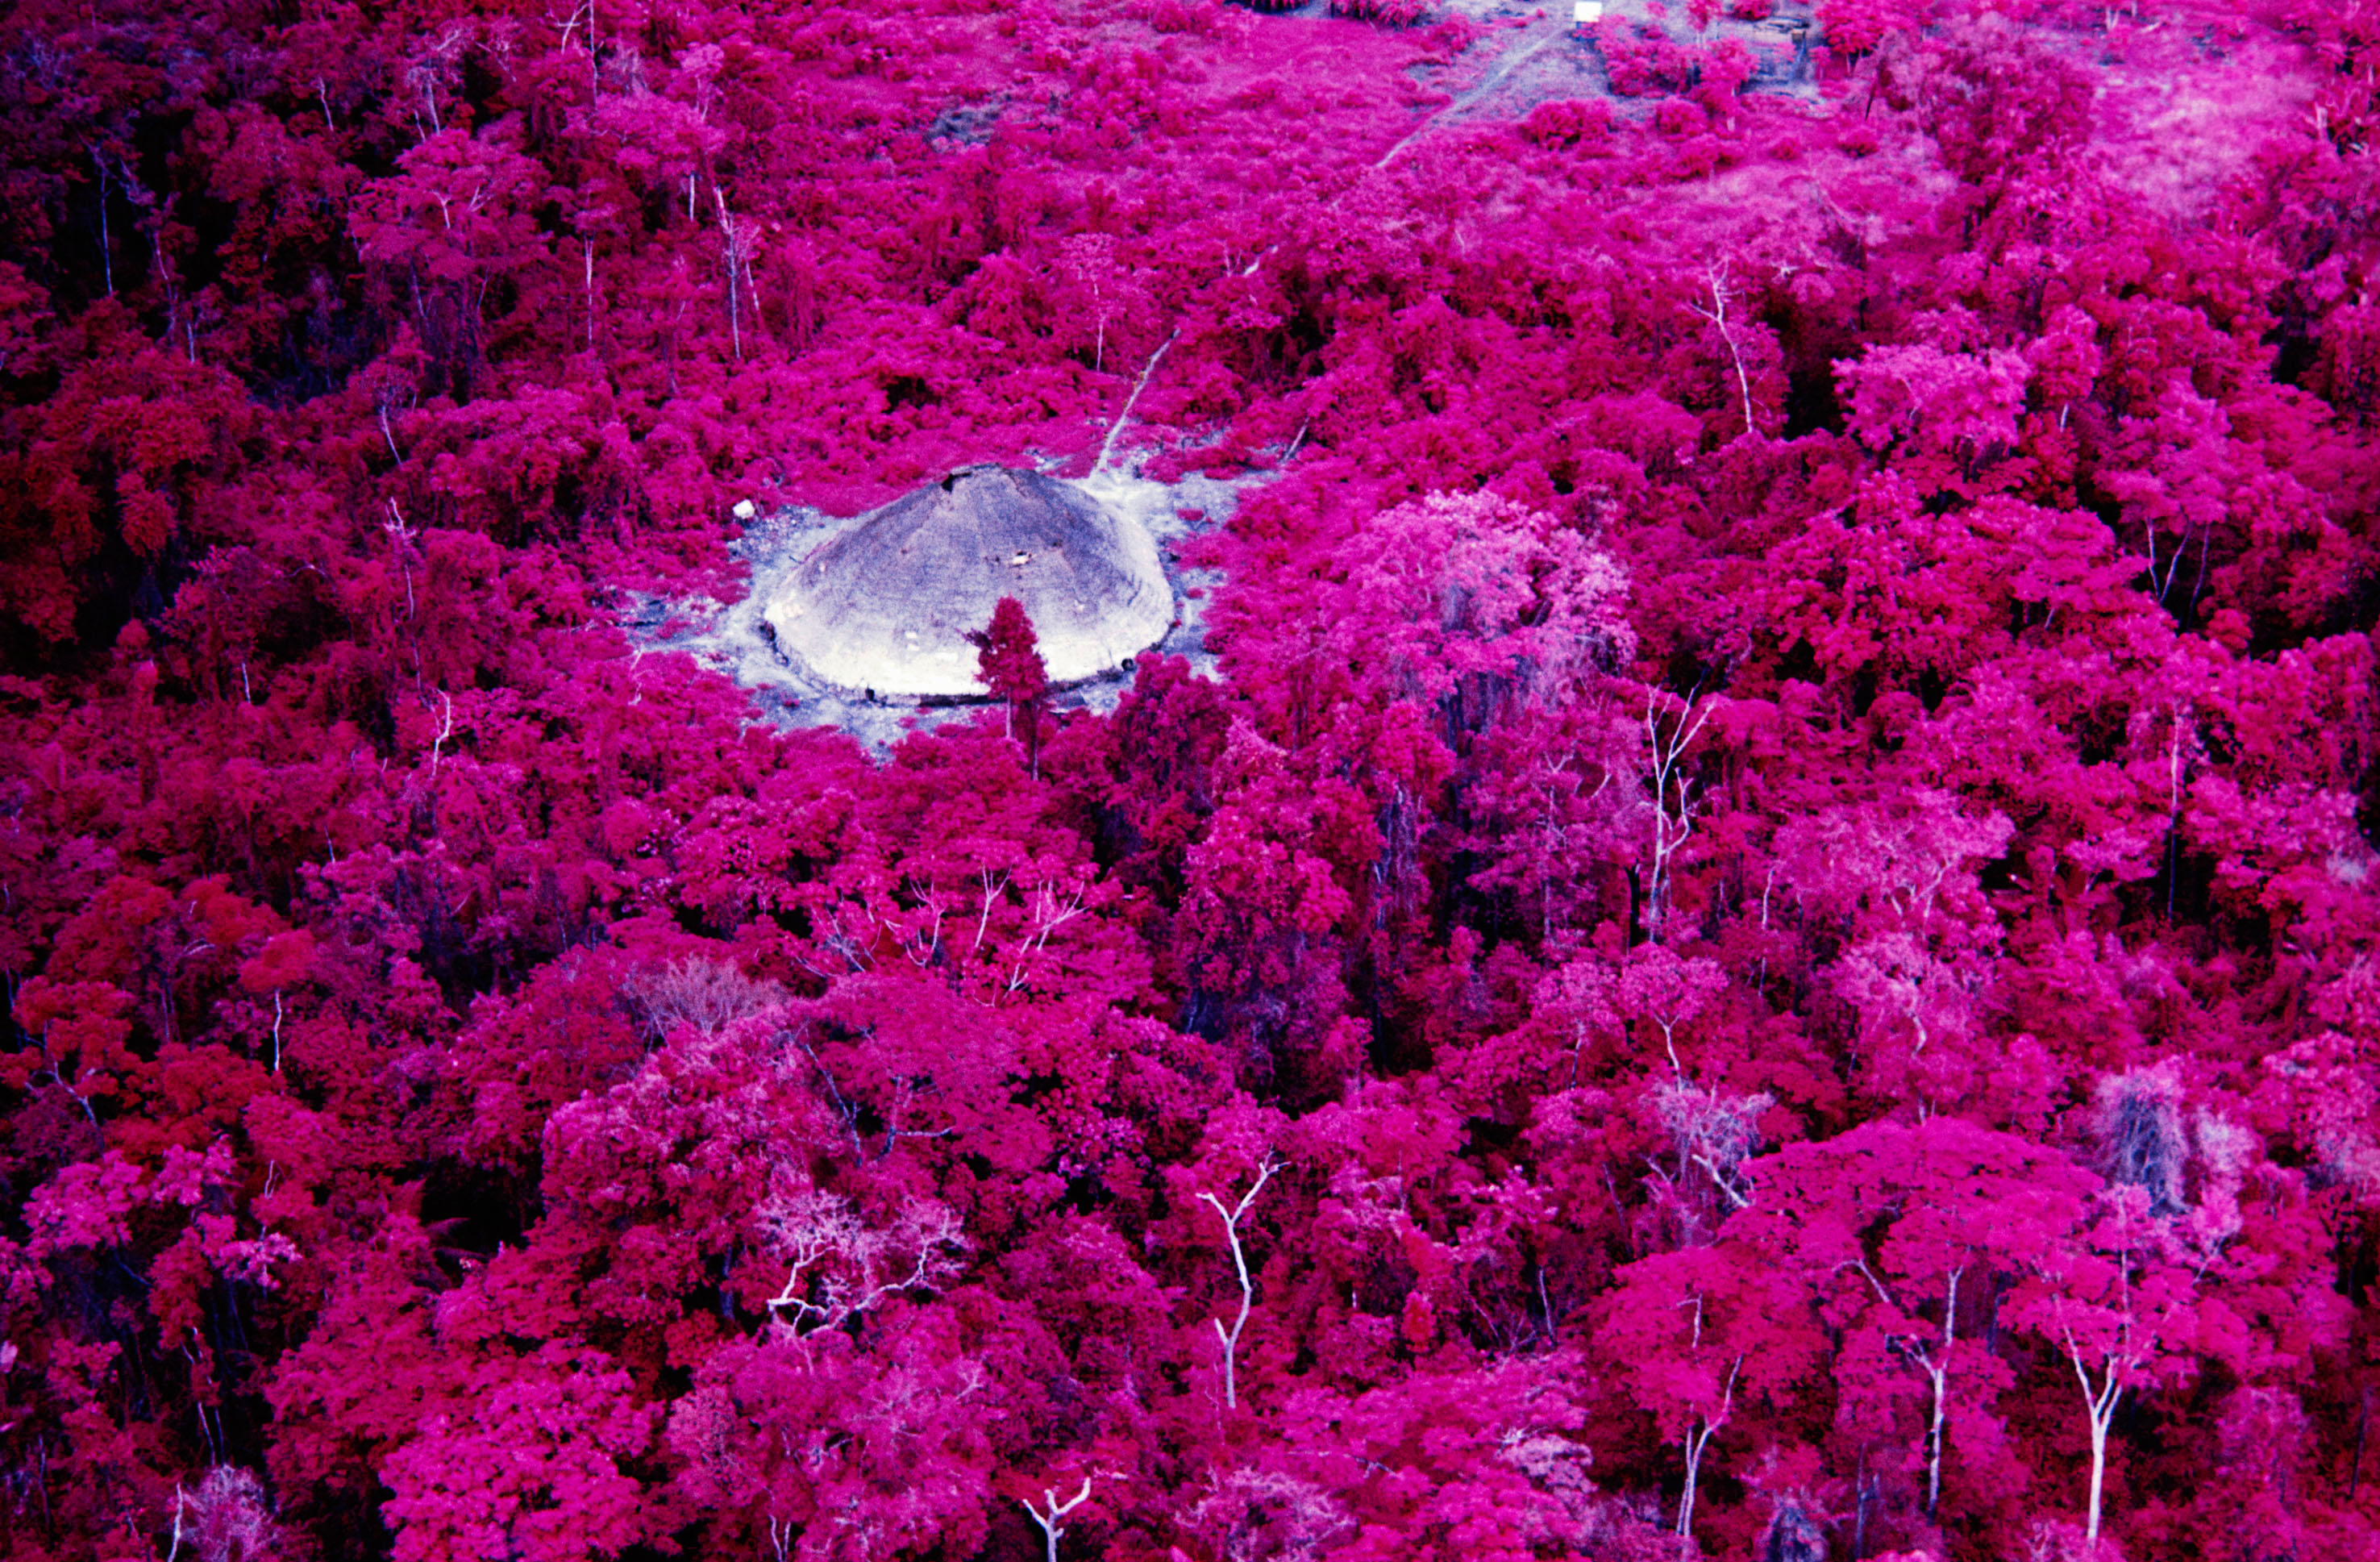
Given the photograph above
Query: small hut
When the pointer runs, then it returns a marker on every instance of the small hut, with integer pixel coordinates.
(886, 607)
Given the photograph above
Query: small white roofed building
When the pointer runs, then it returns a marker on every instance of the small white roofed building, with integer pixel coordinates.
(885, 608)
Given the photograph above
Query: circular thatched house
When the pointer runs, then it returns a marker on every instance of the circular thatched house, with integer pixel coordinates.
(885, 608)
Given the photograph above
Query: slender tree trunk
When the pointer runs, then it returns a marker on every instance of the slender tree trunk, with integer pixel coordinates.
(2099, 1402)
(106, 246)
(1939, 1371)
(1696, 1441)
(1051, 1522)
(2098, 1477)
(1230, 1338)
(588, 246)
(1933, 1448)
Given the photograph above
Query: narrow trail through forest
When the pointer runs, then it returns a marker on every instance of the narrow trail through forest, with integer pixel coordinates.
(1107, 446)
(1535, 39)
(1106, 462)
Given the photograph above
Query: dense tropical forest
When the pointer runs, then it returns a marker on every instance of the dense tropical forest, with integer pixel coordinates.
(1746, 928)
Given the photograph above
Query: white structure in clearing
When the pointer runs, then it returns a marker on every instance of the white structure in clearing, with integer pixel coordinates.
(886, 607)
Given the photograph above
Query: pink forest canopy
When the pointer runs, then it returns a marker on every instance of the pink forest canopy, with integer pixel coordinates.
(1762, 944)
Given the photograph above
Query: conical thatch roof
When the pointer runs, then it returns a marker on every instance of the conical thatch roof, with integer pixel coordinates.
(887, 607)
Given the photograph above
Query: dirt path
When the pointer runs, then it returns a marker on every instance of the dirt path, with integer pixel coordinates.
(1535, 39)
(1539, 36)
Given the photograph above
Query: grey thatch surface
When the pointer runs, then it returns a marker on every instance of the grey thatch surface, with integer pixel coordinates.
(886, 607)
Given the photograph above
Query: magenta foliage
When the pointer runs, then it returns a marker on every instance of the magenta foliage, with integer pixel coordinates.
(1741, 919)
